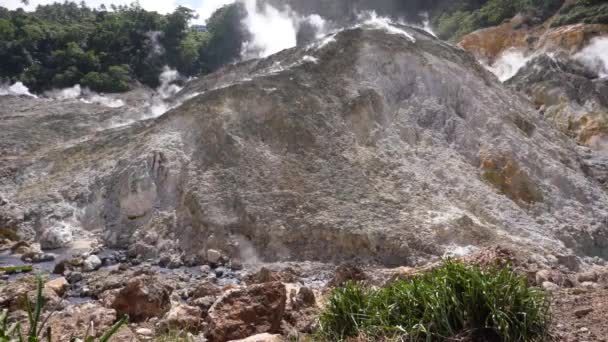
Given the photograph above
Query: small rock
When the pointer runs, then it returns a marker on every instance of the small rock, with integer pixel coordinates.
(347, 272)
(213, 256)
(37, 257)
(587, 277)
(590, 285)
(205, 269)
(579, 291)
(220, 271)
(182, 317)
(92, 263)
(144, 332)
(236, 265)
(550, 276)
(262, 338)
(569, 261)
(59, 285)
(305, 297)
(205, 289)
(74, 277)
(23, 247)
(204, 303)
(61, 267)
(549, 286)
(583, 312)
(583, 330)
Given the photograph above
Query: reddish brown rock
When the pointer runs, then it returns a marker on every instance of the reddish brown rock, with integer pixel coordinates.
(488, 44)
(247, 311)
(143, 297)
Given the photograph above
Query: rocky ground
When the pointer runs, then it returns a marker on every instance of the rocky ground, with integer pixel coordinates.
(224, 301)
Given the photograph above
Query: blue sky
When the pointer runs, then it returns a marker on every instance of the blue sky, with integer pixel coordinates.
(203, 7)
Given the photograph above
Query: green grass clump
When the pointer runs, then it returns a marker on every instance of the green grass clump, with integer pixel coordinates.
(454, 300)
(15, 269)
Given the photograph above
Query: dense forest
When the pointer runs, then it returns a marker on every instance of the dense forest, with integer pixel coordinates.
(454, 19)
(107, 49)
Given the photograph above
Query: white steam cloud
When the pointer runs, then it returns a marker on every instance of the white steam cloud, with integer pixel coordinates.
(371, 19)
(17, 89)
(159, 104)
(595, 56)
(508, 64)
(273, 30)
(84, 95)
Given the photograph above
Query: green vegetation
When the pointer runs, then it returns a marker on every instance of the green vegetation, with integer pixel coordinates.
(59, 45)
(454, 19)
(37, 325)
(454, 300)
(585, 11)
(15, 269)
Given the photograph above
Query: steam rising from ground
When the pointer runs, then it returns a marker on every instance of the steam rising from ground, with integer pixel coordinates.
(509, 63)
(273, 30)
(84, 95)
(595, 56)
(159, 104)
(17, 89)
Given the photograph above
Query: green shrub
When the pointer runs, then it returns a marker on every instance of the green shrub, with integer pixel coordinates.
(588, 12)
(115, 80)
(452, 300)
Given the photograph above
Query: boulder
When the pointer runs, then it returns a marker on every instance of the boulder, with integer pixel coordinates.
(58, 285)
(56, 236)
(91, 263)
(244, 312)
(213, 256)
(143, 297)
(549, 286)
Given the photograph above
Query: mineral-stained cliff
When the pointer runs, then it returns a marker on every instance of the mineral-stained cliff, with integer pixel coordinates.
(380, 143)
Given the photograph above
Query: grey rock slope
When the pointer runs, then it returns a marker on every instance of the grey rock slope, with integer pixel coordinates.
(379, 143)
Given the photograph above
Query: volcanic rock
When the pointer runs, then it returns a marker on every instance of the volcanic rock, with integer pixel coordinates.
(376, 149)
(240, 313)
(143, 297)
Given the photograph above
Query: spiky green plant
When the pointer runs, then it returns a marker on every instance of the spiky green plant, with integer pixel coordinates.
(452, 300)
(8, 333)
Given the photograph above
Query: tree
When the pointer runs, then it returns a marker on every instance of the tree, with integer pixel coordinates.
(227, 35)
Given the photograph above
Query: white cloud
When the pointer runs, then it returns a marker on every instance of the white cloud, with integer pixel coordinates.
(206, 9)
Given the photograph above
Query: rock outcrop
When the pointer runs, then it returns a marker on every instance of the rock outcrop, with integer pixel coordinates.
(240, 313)
(380, 143)
(520, 34)
(143, 297)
